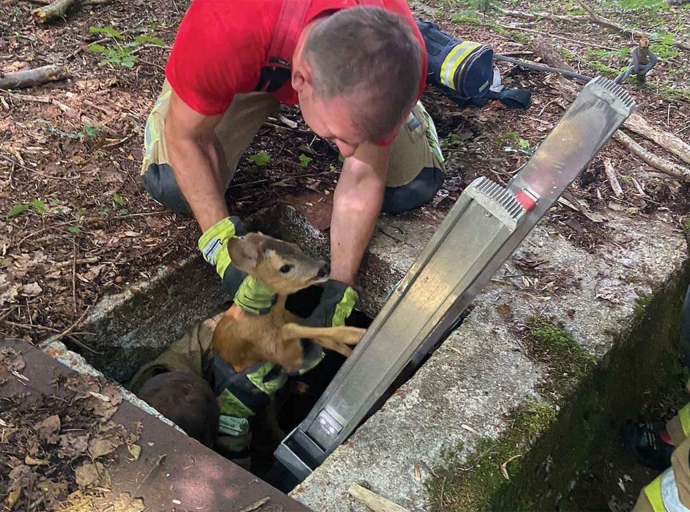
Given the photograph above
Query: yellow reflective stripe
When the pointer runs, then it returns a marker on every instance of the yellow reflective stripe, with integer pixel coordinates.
(684, 417)
(653, 493)
(453, 60)
(230, 405)
(270, 387)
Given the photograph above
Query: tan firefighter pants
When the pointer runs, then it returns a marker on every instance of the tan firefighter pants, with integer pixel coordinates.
(415, 171)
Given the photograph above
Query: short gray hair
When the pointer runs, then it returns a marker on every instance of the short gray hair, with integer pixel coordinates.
(372, 56)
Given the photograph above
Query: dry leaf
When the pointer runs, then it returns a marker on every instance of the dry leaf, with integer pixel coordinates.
(30, 461)
(88, 473)
(31, 290)
(503, 309)
(134, 451)
(49, 428)
(13, 498)
(17, 364)
(73, 445)
(101, 447)
(125, 503)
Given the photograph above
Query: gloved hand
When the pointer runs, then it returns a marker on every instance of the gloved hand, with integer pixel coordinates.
(336, 304)
(249, 293)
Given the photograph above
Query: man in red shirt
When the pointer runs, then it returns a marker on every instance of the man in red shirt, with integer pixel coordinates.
(356, 73)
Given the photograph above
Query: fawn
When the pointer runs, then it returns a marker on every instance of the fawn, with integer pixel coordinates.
(242, 339)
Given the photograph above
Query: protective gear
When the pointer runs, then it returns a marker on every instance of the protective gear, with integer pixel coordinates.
(249, 293)
(337, 302)
(464, 70)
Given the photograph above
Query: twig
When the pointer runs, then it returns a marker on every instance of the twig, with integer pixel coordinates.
(83, 117)
(27, 326)
(613, 179)
(136, 491)
(639, 188)
(373, 500)
(256, 505)
(32, 77)
(74, 272)
(605, 22)
(67, 333)
(542, 15)
(556, 36)
(665, 166)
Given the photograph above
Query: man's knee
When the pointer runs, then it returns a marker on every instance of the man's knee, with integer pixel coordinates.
(159, 182)
(419, 191)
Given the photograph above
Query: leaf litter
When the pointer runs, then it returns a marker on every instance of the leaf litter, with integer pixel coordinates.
(56, 448)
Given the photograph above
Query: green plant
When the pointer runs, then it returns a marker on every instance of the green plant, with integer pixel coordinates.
(260, 159)
(17, 210)
(304, 160)
(117, 199)
(117, 52)
(38, 205)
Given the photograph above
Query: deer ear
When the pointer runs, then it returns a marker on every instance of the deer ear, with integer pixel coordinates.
(245, 253)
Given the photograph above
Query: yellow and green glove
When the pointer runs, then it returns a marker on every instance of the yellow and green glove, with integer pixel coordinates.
(336, 304)
(249, 293)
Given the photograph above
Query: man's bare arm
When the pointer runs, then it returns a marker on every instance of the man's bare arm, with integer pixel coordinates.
(356, 206)
(193, 150)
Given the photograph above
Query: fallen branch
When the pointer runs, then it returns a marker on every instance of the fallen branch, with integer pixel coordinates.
(373, 500)
(666, 140)
(663, 165)
(613, 179)
(56, 9)
(33, 77)
(605, 22)
(556, 36)
(546, 51)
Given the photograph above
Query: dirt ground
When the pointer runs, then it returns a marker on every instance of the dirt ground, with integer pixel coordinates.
(76, 224)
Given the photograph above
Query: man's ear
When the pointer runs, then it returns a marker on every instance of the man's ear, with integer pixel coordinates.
(301, 76)
(245, 253)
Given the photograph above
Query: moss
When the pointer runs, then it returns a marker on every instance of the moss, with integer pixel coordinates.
(467, 18)
(673, 93)
(482, 473)
(566, 361)
(640, 375)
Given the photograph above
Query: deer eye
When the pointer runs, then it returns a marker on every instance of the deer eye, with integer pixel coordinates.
(286, 268)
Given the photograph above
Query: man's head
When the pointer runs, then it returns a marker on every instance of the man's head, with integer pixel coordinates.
(357, 73)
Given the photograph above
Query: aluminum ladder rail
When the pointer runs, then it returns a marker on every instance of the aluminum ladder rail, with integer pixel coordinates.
(481, 231)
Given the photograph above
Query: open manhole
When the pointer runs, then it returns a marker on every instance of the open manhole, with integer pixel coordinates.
(135, 327)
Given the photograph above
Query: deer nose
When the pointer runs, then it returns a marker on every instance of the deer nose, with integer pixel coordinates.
(324, 271)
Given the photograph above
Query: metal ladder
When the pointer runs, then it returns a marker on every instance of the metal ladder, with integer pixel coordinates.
(485, 226)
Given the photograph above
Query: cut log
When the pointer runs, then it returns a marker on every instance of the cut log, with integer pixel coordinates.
(548, 53)
(678, 42)
(665, 166)
(668, 141)
(613, 179)
(56, 9)
(373, 500)
(33, 77)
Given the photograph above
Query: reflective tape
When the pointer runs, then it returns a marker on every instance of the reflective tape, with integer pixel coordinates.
(684, 417)
(662, 493)
(451, 63)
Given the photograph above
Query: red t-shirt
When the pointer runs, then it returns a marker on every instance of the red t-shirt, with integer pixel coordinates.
(222, 45)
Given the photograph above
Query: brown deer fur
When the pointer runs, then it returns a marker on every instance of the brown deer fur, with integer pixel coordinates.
(242, 339)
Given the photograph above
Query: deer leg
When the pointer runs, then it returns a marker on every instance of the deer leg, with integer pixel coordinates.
(332, 338)
(344, 334)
